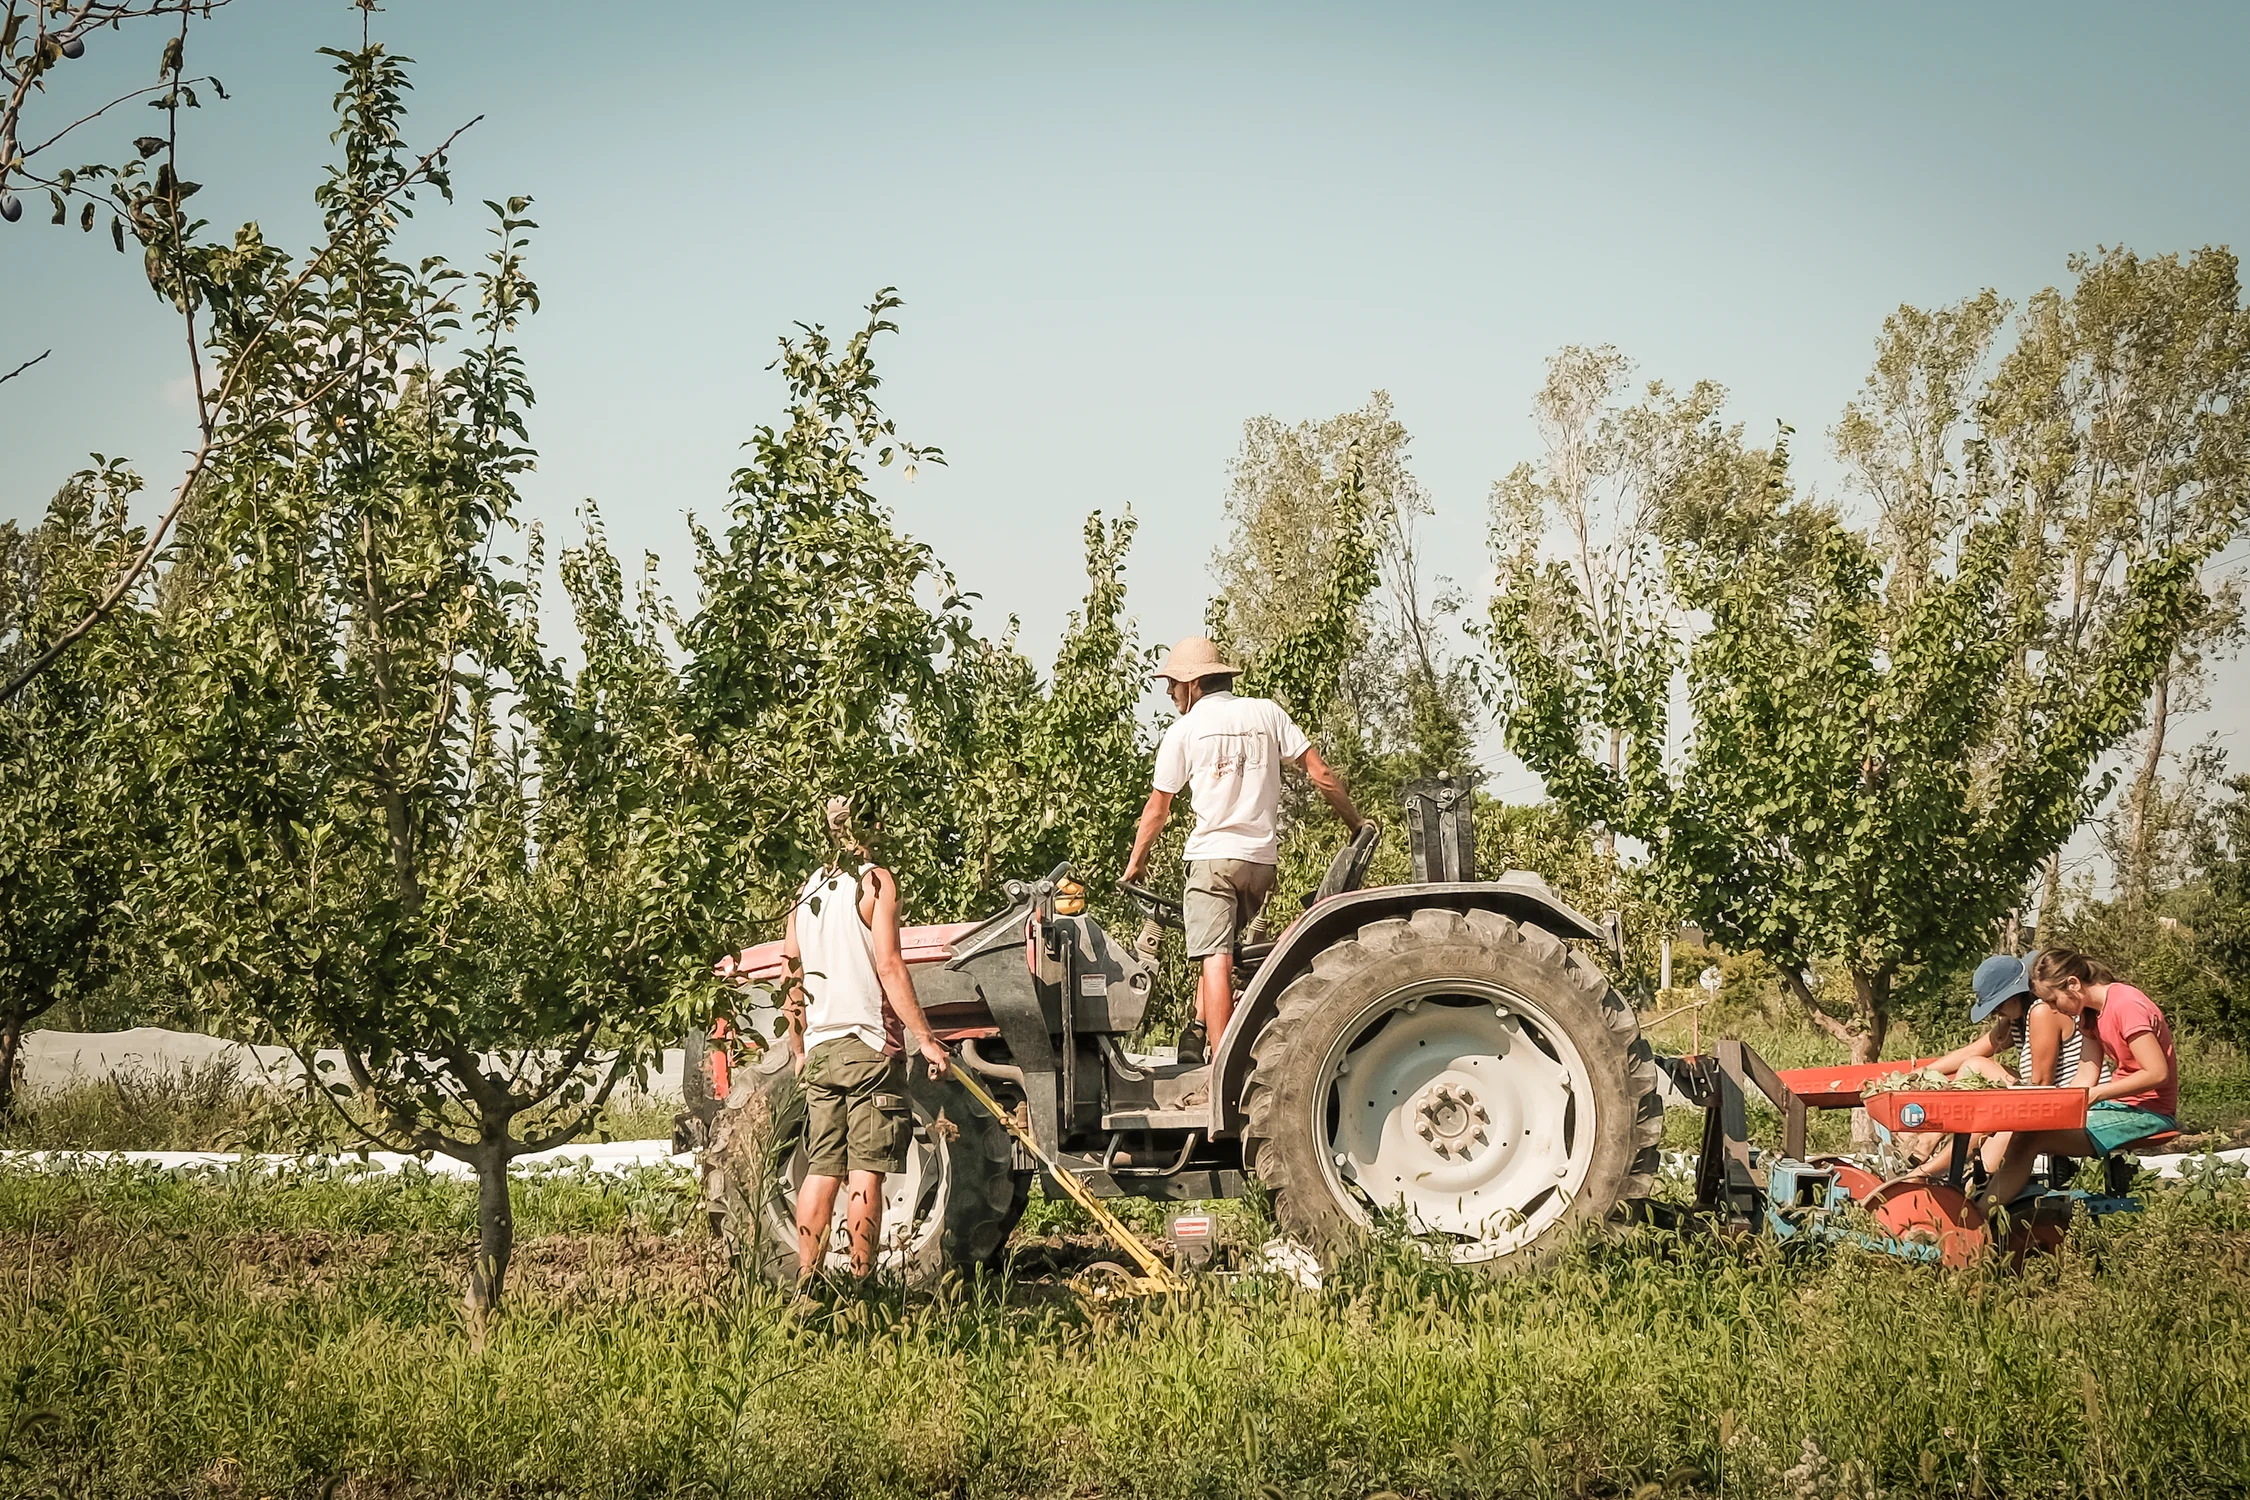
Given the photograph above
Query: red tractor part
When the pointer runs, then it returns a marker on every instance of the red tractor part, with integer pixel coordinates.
(1980, 1111)
(1917, 1215)
(1920, 1212)
(1839, 1088)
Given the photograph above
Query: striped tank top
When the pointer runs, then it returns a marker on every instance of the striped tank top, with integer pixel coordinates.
(2066, 1059)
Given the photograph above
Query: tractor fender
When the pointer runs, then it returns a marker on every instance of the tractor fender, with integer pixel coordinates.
(1521, 898)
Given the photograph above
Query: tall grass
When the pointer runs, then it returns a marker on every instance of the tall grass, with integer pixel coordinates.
(171, 1345)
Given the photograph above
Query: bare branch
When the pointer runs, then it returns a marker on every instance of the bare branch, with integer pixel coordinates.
(363, 1080)
(489, 1096)
(564, 1134)
(1795, 982)
(27, 364)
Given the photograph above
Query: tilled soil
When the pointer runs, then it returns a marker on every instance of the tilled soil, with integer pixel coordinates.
(555, 1268)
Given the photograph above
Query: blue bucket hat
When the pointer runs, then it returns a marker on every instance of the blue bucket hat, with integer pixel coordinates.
(1999, 979)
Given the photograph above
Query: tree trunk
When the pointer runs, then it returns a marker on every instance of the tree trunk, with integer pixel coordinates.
(2050, 900)
(1607, 843)
(496, 1228)
(1873, 992)
(11, 1038)
(2137, 875)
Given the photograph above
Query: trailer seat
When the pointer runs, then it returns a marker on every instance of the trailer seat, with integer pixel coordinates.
(2119, 1169)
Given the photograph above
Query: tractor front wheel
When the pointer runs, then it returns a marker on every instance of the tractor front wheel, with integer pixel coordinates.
(1459, 1077)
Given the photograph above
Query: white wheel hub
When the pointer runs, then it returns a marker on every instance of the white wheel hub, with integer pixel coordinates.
(1458, 1106)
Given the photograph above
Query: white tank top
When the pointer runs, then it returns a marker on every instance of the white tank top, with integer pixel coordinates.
(842, 995)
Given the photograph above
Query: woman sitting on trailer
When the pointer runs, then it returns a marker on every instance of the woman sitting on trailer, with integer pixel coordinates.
(2140, 1099)
(2044, 1041)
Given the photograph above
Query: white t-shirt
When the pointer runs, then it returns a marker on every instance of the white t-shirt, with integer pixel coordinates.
(1229, 751)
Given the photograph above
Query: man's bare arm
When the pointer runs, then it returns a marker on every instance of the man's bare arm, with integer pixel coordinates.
(898, 983)
(793, 988)
(1331, 787)
(1154, 815)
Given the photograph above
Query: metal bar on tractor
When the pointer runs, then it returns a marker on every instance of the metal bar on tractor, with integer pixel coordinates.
(1792, 1108)
(1958, 1171)
(1734, 1128)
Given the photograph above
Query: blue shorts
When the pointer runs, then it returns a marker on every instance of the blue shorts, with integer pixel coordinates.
(2112, 1126)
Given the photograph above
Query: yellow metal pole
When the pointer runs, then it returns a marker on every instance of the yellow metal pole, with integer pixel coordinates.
(1158, 1272)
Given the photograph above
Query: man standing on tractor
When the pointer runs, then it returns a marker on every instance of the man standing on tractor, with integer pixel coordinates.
(850, 1001)
(1230, 751)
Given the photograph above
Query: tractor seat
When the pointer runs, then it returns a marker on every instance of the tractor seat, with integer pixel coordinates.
(1348, 870)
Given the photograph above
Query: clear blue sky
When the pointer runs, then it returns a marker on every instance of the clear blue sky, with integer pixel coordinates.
(1121, 232)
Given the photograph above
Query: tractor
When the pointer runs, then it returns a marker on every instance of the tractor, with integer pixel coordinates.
(1435, 1055)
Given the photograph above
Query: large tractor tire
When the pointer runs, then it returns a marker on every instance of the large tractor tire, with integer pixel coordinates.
(1461, 1077)
(951, 1209)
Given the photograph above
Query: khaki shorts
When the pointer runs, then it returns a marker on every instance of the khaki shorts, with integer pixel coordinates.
(856, 1115)
(1223, 897)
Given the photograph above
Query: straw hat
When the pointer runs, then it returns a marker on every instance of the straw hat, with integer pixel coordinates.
(1191, 657)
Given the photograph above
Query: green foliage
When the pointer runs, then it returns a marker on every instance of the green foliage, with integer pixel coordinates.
(2222, 918)
(821, 633)
(394, 824)
(430, 1213)
(69, 771)
(832, 655)
(207, 1108)
(2120, 418)
(1035, 774)
(217, 1107)
(1889, 735)
(1302, 666)
(2188, 944)
(1879, 803)
(1304, 669)
(1400, 706)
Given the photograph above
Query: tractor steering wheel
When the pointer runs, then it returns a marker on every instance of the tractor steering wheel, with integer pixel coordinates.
(1162, 910)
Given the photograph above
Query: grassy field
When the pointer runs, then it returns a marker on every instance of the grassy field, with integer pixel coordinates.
(245, 1336)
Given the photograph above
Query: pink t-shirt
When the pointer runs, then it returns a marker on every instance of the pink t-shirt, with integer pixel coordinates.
(2127, 1013)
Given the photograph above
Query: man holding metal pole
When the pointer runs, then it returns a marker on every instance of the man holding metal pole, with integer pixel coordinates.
(850, 1003)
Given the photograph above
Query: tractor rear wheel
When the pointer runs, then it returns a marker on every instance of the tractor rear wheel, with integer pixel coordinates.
(1461, 1076)
(951, 1209)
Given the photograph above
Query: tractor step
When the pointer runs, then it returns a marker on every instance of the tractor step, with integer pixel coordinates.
(1157, 1119)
